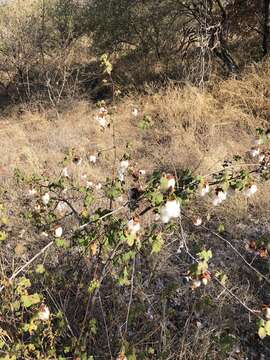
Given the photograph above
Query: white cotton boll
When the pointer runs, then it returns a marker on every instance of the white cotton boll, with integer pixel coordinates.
(121, 176)
(99, 186)
(261, 157)
(92, 159)
(250, 190)
(124, 164)
(44, 313)
(157, 217)
(170, 210)
(103, 110)
(205, 190)
(44, 234)
(196, 284)
(197, 221)
(254, 152)
(32, 192)
(216, 201)
(167, 182)
(171, 183)
(102, 121)
(205, 281)
(45, 198)
(89, 184)
(142, 172)
(135, 112)
(222, 195)
(267, 313)
(133, 226)
(58, 232)
(258, 141)
(65, 172)
(61, 207)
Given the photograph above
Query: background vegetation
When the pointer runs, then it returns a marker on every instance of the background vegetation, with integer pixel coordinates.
(102, 104)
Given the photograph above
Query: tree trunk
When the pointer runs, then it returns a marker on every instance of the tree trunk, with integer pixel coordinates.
(266, 30)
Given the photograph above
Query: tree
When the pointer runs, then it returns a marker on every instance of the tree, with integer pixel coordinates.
(266, 30)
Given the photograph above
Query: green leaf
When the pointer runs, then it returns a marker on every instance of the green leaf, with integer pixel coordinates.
(221, 228)
(93, 326)
(114, 191)
(62, 243)
(205, 255)
(157, 243)
(3, 235)
(29, 300)
(267, 327)
(40, 269)
(156, 198)
(94, 284)
(145, 123)
(130, 238)
(262, 332)
(24, 282)
(88, 200)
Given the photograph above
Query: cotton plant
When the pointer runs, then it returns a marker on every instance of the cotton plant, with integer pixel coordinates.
(116, 236)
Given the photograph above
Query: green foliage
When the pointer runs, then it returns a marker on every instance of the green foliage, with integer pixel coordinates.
(29, 300)
(96, 275)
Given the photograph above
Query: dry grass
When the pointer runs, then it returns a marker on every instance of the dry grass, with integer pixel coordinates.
(190, 129)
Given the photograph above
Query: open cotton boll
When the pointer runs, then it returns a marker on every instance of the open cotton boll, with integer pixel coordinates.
(205, 190)
(65, 172)
(216, 200)
(170, 210)
(58, 231)
(254, 152)
(102, 121)
(46, 198)
(222, 195)
(44, 313)
(134, 226)
(89, 184)
(103, 111)
(258, 141)
(92, 159)
(135, 112)
(121, 176)
(250, 190)
(261, 157)
(61, 207)
(32, 192)
(124, 164)
(167, 183)
(142, 172)
(99, 186)
(267, 313)
(197, 221)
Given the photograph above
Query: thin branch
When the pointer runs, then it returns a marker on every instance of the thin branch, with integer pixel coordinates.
(14, 275)
(254, 312)
(234, 249)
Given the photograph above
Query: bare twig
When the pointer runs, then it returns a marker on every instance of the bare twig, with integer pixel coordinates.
(14, 275)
